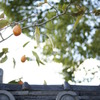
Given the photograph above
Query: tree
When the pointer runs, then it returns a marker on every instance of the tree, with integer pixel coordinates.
(72, 27)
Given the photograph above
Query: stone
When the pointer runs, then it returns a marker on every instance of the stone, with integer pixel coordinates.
(67, 95)
(1, 75)
(5, 95)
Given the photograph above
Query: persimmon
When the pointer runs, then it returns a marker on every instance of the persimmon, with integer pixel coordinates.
(23, 58)
(20, 82)
(17, 30)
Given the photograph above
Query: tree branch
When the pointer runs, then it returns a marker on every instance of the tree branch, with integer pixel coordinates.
(1, 36)
(6, 38)
(54, 17)
(53, 7)
(36, 22)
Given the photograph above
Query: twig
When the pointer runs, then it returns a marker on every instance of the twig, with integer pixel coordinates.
(1, 36)
(53, 7)
(6, 38)
(54, 17)
(27, 18)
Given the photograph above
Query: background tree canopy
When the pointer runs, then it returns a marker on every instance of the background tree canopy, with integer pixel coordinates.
(72, 27)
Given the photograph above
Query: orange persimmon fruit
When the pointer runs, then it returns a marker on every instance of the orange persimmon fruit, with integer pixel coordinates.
(23, 58)
(20, 82)
(17, 30)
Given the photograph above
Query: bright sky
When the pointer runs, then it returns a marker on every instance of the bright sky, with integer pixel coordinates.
(30, 71)
(34, 74)
(84, 72)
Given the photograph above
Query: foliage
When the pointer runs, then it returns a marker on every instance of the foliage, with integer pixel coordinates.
(37, 35)
(3, 55)
(16, 81)
(70, 25)
(3, 23)
(37, 58)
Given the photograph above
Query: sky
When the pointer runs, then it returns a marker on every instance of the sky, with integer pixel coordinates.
(88, 72)
(29, 71)
(34, 74)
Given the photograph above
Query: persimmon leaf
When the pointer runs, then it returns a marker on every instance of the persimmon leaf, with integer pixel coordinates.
(45, 83)
(38, 62)
(2, 15)
(97, 12)
(28, 59)
(64, 7)
(3, 23)
(37, 57)
(51, 41)
(77, 21)
(13, 82)
(26, 43)
(5, 50)
(1, 54)
(14, 63)
(4, 59)
(35, 54)
(42, 62)
(37, 35)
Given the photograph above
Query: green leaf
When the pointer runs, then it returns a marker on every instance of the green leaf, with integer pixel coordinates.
(35, 47)
(2, 15)
(64, 7)
(14, 62)
(37, 57)
(37, 35)
(3, 59)
(77, 21)
(38, 62)
(50, 40)
(42, 62)
(1, 54)
(13, 82)
(3, 23)
(97, 12)
(45, 83)
(26, 43)
(28, 59)
(5, 50)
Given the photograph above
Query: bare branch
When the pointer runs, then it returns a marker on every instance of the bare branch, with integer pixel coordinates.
(1, 36)
(6, 38)
(53, 7)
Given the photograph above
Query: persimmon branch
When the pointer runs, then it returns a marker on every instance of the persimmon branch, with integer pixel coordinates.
(54, 17)
(36, 22)
(53, 7)
(1, 36)
(6, 38)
